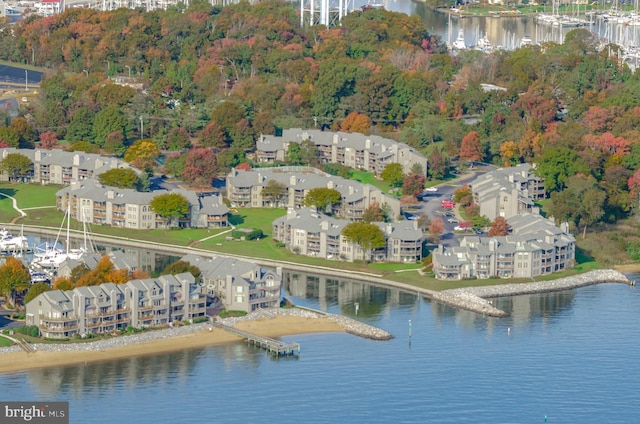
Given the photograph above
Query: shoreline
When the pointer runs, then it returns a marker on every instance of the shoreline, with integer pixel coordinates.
(272, 324)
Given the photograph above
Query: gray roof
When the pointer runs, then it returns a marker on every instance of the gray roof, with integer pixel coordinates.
(89, 161)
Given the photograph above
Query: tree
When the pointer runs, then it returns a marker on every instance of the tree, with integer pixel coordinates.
(119, 177)
(174, 164)
(273, 192)
(142, 153)
(557, 164)
(294, 154)
(48, 140)
(413, 185)
(582, 202)
(178, 139)
(355, 122)
(35, 290)
(393, 174)
(499, 227)
(436, 228)
(308, 153)
(108, 120)
(114, 143)
(367, 236)
(471, 149)
(200, 167)
(322, 198)
(170, 206)
(14, 276)
(438, 165)
(180, 267)
(16, 165)
(374, 213)
(463, 195)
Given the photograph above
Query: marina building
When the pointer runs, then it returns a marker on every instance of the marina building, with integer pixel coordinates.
(354, 150)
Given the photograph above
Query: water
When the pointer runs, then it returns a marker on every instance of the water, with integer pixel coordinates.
(570, 356)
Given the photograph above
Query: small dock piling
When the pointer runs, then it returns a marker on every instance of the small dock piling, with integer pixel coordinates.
(273, 346)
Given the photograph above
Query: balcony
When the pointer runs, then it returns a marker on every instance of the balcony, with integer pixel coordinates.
(60, 319)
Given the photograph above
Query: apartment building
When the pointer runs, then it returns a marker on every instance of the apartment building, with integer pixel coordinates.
(507, 192)
(90, 201)
(240, 285)
(359, 151)
(245, 189)
(536, 247)
(309, 233)
(61, 167)
(109, 307)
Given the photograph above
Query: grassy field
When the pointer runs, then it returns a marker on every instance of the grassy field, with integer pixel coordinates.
(5, 342)
(368, 178)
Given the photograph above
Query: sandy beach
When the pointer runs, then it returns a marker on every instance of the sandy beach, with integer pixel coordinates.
(272, 327)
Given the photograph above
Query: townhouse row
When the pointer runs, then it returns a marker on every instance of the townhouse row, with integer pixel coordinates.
(358, 151)
(90, 201)
(306, 232)
(107, 308)
(153, 302)
(62, 167)
(254, 188)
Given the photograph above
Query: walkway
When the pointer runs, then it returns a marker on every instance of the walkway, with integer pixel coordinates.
(15, 204)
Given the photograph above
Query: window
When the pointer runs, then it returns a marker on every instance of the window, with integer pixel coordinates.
(239, 289)
(239, 299)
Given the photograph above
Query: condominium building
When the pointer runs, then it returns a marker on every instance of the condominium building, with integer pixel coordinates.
(240, 285)
(61, 167)
(368, 152)
(507, 192)
(536, 247)
(247, 189)
(309, 233)
(102, 309)
(90, 201)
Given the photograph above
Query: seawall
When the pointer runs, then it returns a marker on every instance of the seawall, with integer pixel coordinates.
(470, 298)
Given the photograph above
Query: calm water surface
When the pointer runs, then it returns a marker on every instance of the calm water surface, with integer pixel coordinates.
(570, 356)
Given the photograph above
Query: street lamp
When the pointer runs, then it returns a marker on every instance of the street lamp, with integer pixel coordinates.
(26, 80)
(33, 56)
(129, 68)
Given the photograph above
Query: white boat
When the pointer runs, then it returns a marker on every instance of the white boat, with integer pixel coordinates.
(526, 41)
(52, 255)
(459, 43)
(10, 243)
(484, 44)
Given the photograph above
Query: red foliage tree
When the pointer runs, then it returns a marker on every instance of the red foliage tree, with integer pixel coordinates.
(471, 149)
(413, 185)
(200, 167)
(48, 140)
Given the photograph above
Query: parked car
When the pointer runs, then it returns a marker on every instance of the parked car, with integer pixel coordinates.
(431, 189)
(459, 228)
(452, 221)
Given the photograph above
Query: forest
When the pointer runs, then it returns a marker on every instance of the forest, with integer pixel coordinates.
(210, 80)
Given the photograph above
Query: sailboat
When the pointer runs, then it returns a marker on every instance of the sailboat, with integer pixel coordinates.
(52, 255)
(459, 43)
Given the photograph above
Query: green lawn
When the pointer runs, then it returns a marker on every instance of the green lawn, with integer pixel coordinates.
(30, 195)
(368, 178)
(5, 342)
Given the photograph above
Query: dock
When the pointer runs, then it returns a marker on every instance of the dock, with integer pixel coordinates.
(273, 346)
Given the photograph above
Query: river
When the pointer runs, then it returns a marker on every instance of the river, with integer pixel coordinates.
(567, 356)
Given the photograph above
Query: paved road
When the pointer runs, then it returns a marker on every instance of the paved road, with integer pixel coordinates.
(431, 203)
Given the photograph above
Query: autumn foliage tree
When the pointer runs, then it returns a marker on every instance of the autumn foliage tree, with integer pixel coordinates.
(367, 236)
(413, 185)
(499, 227)
(436, 228)
(356, 122)
(200, 167)
(14, 276)
(471, 149)
(48, 140)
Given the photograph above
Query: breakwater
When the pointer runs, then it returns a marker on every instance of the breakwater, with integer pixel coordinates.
(475, 298)
(350, 325)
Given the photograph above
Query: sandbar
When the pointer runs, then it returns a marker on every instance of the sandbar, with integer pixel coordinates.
(272, 327)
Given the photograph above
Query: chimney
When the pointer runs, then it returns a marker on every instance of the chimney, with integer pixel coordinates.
(111, 194)
(389, 228)
(324, 225)
(351, 190)
(76, 159)
(330, 184)
(37, 156)
(292, 180)
(367, 144)
(336, 138)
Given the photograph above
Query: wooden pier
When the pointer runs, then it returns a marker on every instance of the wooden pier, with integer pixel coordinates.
(273, 346)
